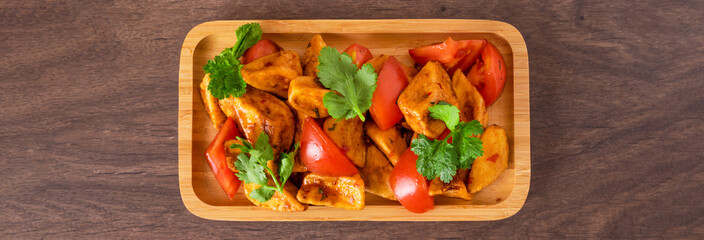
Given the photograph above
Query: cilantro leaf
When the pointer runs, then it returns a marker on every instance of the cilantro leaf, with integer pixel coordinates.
(263, 193)
(286, 167)
(353, 88)
(447, 113)
(253, 168)
(437, 157)
(225, 77)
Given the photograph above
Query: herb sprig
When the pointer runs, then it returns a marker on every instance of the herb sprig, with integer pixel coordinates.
(225, 77)
(437, 157)
(352, 87)
(253, 168)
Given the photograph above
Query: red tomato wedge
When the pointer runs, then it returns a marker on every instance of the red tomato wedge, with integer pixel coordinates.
(452, 54)
(262, 48)
(359, 54)
(488, 75)
(215, 154)
(391, 82)
(410, 188)
(472, 49)
(320, 154)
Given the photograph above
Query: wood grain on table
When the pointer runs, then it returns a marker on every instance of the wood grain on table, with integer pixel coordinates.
(88, 133)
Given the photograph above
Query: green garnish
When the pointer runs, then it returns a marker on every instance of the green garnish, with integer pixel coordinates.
(253, 168)
(225, 77)
(438, 158)
(352, 87)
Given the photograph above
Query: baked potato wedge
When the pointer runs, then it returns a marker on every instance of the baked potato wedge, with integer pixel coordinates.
(298, 165)
(390, 142)
(469, 100)
(284, 202)
(489, 166)
(430, 86)
(376, 173)
(455, 188)
(211, 103)
(348, 135)
(305, 95)
(341, 192)
(273, 72)
(310, 57)
(258, 111)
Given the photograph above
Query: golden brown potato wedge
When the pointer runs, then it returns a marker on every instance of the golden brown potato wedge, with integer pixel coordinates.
(298, 166)
(489, 166)
(305, 95)
(211, 103)
(310, 57)
(470, 102)
(455, 188)
(376, 173)
(273, 72)
(258, 111)
(390, 142)
(379, 61)
(348, 135)
(284, 202)
(430, 86)
(231, 153)
(341, 192)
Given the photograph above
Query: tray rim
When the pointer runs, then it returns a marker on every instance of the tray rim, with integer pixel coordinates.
(522, 169)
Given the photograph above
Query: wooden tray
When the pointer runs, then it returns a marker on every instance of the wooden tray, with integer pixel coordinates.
(203, 196)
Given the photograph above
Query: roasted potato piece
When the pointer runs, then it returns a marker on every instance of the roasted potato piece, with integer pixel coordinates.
(470, 102)
(284, 202)
(258, 111)
(297, 164)
(341, 192)
(489, 166)
(211, 103)
(455, 188)
(273, 72)
(430, 86)
(348, 135)
(231, 153)
(376, 173)
(310, 57)
(305, 95)
(390, 142)
(379, 61)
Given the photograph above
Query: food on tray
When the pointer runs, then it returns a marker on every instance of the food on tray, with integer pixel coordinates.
(306, 118)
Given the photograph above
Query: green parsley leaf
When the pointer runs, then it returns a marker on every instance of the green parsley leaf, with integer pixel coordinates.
(263, 193)
(353, 88)
(253, 168)
(225, 77)
(438, 158)
(447, 113)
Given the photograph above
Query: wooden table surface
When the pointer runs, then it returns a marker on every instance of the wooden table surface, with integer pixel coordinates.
(88, 141)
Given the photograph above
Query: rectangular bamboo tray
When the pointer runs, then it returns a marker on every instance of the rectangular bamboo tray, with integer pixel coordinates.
(201, 193)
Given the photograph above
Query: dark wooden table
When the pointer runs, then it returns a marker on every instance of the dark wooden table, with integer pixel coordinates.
(89, 102)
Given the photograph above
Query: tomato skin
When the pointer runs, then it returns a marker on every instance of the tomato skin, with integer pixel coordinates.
(488, 75)
(473, 49)
(443, 52)
(410, 188)
(452, 54)
(215, 154)
(320, 154)
(262, 48)
(391, 82)
(359, 54)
